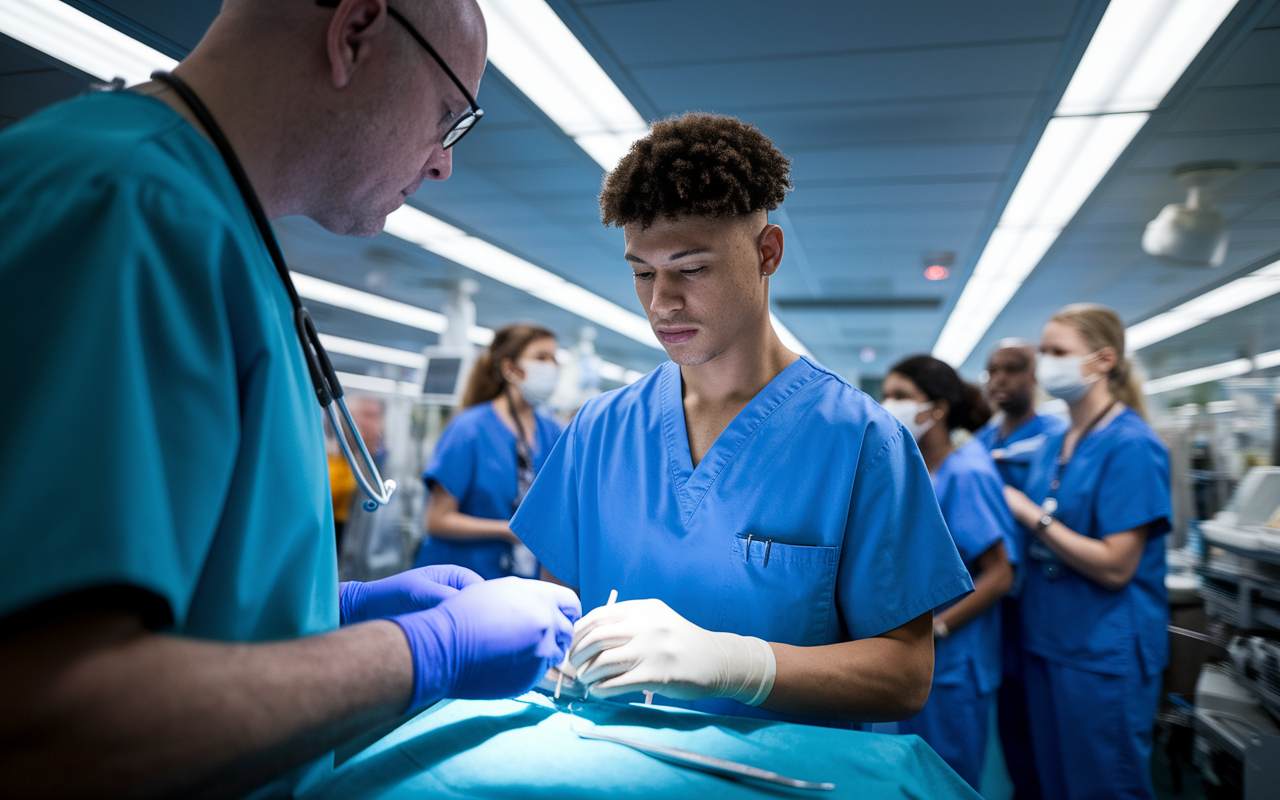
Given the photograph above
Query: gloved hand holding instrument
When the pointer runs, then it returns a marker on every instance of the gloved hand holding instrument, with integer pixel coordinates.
(643, 645)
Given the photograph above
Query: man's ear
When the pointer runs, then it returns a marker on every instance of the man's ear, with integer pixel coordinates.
(769, 246)
(352, 30)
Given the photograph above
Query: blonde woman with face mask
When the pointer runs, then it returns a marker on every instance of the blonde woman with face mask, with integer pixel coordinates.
(487, 458)
(1094, 606)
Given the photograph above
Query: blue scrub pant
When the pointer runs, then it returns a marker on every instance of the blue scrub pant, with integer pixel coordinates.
(954, 723)
(1091, 733)
(1011, 708)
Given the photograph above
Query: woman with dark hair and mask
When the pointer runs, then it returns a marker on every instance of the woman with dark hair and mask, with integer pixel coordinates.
(1094, 605)
(929, 398)
(487, 458)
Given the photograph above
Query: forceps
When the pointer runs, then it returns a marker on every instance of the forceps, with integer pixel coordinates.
(705, 763)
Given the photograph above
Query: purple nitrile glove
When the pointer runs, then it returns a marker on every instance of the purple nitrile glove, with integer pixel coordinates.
(491, 640)
(412, 590)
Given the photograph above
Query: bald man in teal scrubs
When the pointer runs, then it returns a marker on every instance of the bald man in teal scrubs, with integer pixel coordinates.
(169, 604)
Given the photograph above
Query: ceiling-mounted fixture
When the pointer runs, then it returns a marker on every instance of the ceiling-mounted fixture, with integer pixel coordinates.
(1192, 232)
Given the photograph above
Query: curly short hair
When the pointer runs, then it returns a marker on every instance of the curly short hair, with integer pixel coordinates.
(699, 164)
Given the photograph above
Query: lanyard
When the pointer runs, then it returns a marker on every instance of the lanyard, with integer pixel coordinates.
(323, 377)
(1050, 504)
(1037, 550)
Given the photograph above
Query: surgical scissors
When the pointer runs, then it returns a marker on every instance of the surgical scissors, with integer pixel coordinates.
(323, 378)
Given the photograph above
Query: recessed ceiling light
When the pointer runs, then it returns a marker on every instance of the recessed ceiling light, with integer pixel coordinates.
(937, 272)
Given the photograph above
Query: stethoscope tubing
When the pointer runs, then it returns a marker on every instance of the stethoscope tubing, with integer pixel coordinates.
(323, 377)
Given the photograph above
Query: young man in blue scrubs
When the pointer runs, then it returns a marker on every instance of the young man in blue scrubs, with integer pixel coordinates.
(169, 606)
(771, 532)
(1015, 441)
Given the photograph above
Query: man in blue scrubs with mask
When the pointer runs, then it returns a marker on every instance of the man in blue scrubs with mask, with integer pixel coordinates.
(771, 532)
(1015, 439)
(1018, 432)
(169, 603)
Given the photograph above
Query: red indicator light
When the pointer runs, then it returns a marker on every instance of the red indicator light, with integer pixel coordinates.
(937, 273)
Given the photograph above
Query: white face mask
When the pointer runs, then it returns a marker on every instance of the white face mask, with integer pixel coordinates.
(1063, 376)
(906, 411)
(540, 380)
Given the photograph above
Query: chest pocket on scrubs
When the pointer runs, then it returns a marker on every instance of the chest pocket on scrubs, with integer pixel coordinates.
(787, 599)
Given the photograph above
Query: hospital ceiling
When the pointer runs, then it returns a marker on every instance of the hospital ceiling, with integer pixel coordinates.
(909, 124)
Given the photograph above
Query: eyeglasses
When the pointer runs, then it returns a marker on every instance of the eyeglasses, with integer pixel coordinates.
(472, 115)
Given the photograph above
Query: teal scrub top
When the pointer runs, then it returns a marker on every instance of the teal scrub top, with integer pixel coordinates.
(810, 521)
(161, 430)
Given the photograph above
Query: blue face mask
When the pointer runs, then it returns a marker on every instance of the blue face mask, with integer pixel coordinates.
(1063, 376)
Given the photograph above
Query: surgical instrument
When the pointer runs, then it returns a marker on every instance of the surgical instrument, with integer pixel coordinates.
(705, 763)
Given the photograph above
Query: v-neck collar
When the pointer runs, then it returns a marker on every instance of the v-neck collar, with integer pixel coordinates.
(691, 484)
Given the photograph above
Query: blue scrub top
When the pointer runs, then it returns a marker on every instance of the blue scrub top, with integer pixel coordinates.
(971, 495)
(1014, 453)
(475, 461)
(1118, 480)
(162, 429)
(815, 472)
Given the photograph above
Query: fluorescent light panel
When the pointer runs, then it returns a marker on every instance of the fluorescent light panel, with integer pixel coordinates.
(335, 294)
(1241, 292)
(373, 352)
(369, 383)
(1140, 49)
(441, 238)
(534, 49)
(411, 360)
(77, 39)
(1214, 372)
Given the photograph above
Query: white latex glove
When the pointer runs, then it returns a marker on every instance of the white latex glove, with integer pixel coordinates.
(642, 645)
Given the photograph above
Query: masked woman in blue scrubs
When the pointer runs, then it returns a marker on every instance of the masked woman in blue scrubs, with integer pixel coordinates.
(1094, 606)
(487, 458)
(930, 399)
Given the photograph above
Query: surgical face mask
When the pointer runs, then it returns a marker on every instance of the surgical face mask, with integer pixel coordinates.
(540, 380)
(1063, 376)
(906, 411)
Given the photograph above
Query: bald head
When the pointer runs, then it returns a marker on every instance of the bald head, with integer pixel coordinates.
(335, 108)
(1011, 377)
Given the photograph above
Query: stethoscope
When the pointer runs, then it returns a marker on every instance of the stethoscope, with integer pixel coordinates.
(325, 380)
